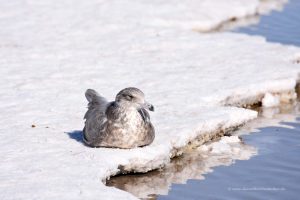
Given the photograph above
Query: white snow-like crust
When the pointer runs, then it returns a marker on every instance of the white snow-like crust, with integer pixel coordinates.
(52, 51)
(270, 100)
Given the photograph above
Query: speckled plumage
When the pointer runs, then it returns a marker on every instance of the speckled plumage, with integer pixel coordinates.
(123, 123)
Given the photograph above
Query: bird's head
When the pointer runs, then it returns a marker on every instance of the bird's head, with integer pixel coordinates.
(133, 97)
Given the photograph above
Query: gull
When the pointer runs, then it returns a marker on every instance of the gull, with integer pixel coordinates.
(123, 123)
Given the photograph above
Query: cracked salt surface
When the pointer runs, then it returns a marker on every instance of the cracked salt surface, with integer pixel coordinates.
(52, 51)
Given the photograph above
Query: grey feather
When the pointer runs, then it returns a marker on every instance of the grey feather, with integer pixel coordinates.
(95, 117)
(145, 115)
(95, 102)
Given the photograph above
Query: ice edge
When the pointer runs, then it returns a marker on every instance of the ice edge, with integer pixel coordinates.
(221, 129)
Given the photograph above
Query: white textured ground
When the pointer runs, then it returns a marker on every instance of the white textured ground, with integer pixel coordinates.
(52, 51)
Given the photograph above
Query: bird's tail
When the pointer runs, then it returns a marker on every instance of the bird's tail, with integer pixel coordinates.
(91, 95)
(95, 100)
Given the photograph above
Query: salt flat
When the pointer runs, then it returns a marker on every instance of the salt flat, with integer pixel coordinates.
(52, 51)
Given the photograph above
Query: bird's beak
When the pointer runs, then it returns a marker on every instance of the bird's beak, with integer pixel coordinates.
(148, 106)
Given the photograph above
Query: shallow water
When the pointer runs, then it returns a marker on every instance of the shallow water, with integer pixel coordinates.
(264, 165)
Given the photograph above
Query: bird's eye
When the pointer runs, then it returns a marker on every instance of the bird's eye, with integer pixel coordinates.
(128, 97)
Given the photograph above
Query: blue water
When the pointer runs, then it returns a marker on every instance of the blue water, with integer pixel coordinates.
(279, 26)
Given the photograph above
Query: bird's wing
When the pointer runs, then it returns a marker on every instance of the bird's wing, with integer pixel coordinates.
(95, 118)
(96, 102)
(144, 114)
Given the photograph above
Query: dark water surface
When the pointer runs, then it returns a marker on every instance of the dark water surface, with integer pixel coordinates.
(266, 165)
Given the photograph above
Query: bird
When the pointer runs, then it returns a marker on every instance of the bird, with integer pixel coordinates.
(123, 123)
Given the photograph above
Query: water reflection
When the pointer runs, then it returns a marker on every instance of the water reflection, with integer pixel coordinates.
(191, 165)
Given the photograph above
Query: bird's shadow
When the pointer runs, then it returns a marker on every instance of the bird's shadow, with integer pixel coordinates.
(76, 135)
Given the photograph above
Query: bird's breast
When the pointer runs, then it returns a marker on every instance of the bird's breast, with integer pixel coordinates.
(128, 123)
(128, 128)
(132, 119)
